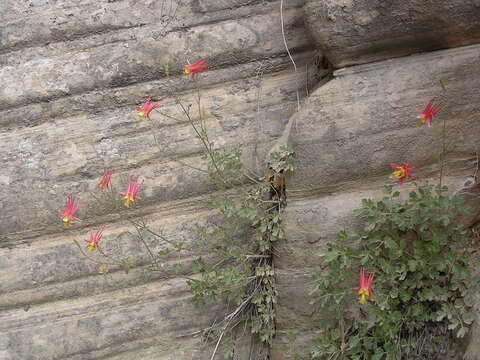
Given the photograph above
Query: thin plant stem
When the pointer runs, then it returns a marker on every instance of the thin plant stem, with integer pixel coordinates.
(90, 258)
(152, 130)
(203, 139)
(140, 237)
(444, 150)
(154, 233)
(288, 50)
(169, 116)
(108, 256)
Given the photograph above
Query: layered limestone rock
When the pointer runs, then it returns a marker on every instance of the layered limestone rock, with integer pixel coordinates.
(72, 73)
(360, 31)
(347, 135)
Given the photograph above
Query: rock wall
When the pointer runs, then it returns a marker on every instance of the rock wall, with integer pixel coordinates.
(360, 31)
(73, 71)
(351, 129)
(348, 134)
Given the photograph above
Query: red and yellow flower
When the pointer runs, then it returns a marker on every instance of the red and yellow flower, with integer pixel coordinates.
(196, 67)
(427, 114)
(94, 238)
(68, 215)
(145, 110)
(130, 195)
(105, 181)
(365, 288)
(402, 172)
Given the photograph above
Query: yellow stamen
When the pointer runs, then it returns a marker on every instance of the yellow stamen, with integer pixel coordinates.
(421, 120)
(141, 114)
(399, 174)
(363, 293)
(92, 246)
(186, 71)
(128, 201)
(66, 221)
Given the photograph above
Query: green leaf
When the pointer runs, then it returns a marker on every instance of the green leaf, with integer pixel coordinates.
(440, 316)
(291, 336)
(412, 265)
(468, 317)
(387, 189)
(329, 255)
(461, 332)
(390, 243)
(453, 325)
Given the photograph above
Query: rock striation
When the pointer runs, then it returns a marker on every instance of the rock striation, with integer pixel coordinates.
(346, 136)
(72, 74)
(360, 31)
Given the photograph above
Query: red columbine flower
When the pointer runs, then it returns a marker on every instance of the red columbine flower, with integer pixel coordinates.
(68, 215)
(145, 110)
(105, 181)
(401, 172)
(365, 288)
(130, 195)
(427, 114)
(196, 67)
(94, 238)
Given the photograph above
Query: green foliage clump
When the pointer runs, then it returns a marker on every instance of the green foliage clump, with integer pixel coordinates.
(238, 243)
(423, 289)
(283, 159)
(239, 247)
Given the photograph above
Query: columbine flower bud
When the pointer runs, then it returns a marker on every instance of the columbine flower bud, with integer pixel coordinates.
(105, 181)
(68, 215)
(94, 238)
(130, 195)
(145, 110)
(196, 67)
(427, 114)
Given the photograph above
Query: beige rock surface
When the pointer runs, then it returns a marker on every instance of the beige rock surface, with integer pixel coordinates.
(72, 73)
(361, 31)
(346, 136)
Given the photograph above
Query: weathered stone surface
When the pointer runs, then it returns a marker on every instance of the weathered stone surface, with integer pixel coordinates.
(360, 31)
(473, 349)
(353, 127)
(312, 222)
(67, 154)
(347, 135)
(72, 73)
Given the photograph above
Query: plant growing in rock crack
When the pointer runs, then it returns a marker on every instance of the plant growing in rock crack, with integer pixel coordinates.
(240, 246)
(238, 263)
(419, 293)
(422, 282)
